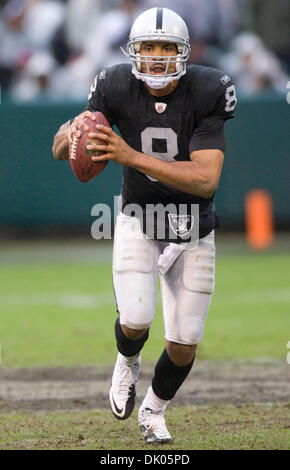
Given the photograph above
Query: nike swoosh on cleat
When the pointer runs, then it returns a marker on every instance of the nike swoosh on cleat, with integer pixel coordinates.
(120, 411)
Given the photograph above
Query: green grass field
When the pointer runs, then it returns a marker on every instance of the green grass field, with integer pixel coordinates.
(57, 309)
(214, 427)
(63, 313)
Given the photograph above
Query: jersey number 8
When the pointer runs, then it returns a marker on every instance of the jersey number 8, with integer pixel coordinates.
(165, 134)
(231, 98)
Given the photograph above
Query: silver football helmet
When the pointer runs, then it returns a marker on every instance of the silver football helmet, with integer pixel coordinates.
(158, 24)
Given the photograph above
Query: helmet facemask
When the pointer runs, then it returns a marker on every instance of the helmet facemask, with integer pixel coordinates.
(153, 80)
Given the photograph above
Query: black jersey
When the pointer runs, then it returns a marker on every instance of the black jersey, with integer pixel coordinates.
(168, 128)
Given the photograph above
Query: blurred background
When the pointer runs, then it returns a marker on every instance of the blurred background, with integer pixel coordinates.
(50, 51)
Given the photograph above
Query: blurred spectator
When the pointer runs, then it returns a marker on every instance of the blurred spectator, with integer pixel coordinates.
(59, 45)
(271, 20)
(15, 45)
(26, 26)
(253, 67)
(42, 19)
(86, 14)
(35, 80)
(232, 17)
(72, 81)
(103, 43)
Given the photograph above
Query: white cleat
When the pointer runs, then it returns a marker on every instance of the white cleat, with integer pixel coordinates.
(123, 390)
(153, 426)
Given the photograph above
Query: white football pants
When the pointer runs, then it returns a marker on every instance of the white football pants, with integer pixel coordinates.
(186, 288)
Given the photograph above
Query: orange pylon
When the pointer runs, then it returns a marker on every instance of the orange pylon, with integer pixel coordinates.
(259, 219)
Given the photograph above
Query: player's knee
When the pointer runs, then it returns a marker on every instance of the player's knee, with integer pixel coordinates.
(138, 315)
(192, 334)
(133, 334)
(181, 354)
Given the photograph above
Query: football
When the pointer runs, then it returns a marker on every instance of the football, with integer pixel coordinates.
(80, 157)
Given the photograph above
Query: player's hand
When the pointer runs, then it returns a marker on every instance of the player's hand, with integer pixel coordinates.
(78, 125)
(113, 145)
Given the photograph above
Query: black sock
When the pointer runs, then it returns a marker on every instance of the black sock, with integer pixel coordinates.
(168, 377)
(126, 346)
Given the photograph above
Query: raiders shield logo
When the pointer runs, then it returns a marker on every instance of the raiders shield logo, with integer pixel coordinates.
(160, 107)
(181, 224)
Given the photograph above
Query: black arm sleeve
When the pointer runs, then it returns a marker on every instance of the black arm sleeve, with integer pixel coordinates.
(97, 97)
(209, 133)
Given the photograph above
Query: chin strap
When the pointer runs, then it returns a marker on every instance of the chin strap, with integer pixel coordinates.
(154, 82)
(157, 83)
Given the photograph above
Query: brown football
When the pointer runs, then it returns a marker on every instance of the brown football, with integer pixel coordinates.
(80, 158)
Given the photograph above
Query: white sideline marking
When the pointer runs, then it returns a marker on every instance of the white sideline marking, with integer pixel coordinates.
(63, 300)
(275, 295)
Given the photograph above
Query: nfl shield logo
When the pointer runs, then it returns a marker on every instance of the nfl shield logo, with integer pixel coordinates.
(160, 107)
(181, 224)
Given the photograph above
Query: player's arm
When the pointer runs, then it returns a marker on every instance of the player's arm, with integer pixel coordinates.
(66, 132)
(60, 146)
(198, 176)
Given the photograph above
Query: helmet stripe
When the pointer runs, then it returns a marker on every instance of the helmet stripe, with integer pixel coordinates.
(159, 18)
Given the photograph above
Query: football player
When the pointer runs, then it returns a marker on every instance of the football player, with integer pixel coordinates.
(171, 121)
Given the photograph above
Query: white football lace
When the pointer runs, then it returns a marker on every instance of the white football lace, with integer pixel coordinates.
(74, 148)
